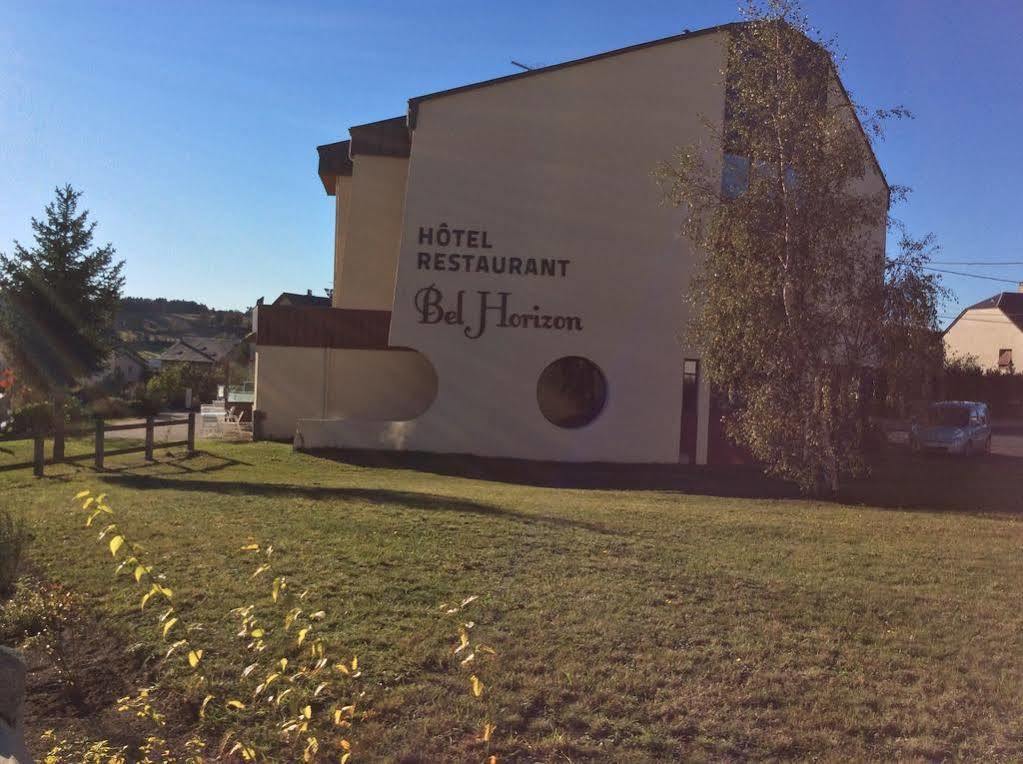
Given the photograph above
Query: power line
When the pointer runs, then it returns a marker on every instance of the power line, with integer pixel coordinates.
(971, 275)
(977, 262)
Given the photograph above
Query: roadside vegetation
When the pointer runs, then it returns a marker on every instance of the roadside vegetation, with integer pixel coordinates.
(679, 621)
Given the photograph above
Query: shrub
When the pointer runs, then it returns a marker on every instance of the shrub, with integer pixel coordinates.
(111, 408)
(31, 417)
(170, 383)
(14, 537)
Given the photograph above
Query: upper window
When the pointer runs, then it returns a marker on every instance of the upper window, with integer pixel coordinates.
(1005, 358)
(571, 392)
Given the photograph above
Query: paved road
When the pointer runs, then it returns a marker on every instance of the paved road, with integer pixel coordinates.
(1007, 438)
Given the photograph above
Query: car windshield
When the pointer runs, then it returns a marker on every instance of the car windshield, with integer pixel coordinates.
(949, 416)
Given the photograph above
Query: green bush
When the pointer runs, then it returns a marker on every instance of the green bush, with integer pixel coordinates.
(32, 417)
(111, 408)
(14, 537)
(170, 383)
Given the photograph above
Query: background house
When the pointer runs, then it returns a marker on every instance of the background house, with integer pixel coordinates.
(990, 332)
(198, 350)
(307, 300)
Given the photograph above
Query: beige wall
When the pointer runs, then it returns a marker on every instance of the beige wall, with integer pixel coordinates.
(294, 383)
(981, 334)
(370, 207)
(342, 204)
(559, 165)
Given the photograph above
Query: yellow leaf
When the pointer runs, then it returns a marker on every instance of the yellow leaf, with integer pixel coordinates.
(355, 663)
(165, 592)
(194, 656)
(307, 712)
(301, 635)
(116, 543)
(82, 494)
(276, 589)
(139, 572)
(88, 503)
(317, 615)
(488, 730)
(202, 708)
(99, 499)
(257, 633)
(235, 704)
(477, 685)
(342, 668)
(145, 598)
(167, 626)
(346, 745)
(250, 548)
(261, 569)
(345, 758)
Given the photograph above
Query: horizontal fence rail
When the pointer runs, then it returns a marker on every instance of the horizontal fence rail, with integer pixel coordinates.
(149, 425)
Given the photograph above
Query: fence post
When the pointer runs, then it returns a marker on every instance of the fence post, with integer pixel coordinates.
(58, 435)
(149, 438)
(99, 444)
(191, 432)
(38, 453)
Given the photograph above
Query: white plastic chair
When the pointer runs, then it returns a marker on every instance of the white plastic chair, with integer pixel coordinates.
(233, 421)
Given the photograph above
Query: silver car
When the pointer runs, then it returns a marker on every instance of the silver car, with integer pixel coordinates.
(953, 427)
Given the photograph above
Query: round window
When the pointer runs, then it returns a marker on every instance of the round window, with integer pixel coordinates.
(571, 392)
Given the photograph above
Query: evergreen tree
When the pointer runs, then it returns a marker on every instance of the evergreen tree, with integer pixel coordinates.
(58, 299)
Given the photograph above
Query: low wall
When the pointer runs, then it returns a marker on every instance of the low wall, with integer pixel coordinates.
(369, 435)
(12, 703)
(294, 383)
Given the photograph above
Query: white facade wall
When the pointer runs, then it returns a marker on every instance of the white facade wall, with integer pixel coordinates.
(559, 165)
(981, 334)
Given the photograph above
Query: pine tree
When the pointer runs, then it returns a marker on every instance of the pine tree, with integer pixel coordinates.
(58, 300)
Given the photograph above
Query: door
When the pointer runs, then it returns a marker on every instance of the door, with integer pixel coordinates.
(690, 393)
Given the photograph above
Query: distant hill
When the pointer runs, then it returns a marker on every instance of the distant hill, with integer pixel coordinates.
(150, 326)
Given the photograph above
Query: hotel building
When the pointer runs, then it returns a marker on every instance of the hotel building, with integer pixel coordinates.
(507, 280)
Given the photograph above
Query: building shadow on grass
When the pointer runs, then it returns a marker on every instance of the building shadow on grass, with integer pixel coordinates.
(415, 500)
(899, 480)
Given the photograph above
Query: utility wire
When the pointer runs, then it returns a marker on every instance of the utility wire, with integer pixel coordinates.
(977, 262)
(971, 275)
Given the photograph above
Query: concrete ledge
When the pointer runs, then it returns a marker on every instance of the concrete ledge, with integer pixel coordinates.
(12, 704)
(361, 434)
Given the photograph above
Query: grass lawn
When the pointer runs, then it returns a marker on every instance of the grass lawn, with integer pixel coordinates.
(680, 621)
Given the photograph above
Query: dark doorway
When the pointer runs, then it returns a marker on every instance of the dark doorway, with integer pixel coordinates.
(690, 393)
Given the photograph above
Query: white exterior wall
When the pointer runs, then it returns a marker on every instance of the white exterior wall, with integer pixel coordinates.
(369, 224)
(559, 165)
(982, 333)
(293, 383)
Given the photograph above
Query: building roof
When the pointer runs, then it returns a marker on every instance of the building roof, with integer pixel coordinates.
(334, 161)
(127, 352)
(308, 300)
(1010, 303)
(192, 349)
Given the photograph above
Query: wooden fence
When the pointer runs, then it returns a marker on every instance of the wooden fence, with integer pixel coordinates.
(100, 451)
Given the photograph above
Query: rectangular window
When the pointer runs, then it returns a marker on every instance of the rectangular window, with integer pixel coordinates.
(1005, 359)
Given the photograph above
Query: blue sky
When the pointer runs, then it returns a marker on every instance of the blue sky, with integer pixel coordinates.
(192, 126)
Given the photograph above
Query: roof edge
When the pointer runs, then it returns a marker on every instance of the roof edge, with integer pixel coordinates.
(413, 103)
